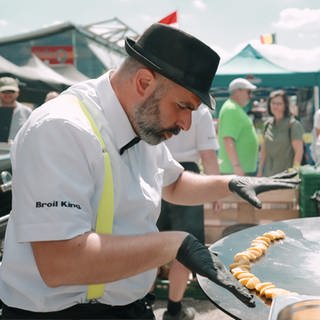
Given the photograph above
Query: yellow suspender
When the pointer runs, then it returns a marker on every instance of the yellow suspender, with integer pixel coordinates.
(106, 206)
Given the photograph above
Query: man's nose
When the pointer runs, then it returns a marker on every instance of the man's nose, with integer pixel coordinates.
(185, 120)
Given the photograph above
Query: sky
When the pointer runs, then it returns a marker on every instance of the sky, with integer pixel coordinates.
(225, 25)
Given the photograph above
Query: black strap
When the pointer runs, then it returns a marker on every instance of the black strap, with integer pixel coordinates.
(131, 143)
(140, 309)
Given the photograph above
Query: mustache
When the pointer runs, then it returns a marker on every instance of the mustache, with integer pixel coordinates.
(174, 131)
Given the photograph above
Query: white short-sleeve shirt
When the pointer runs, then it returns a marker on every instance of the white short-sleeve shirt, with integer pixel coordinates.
(20, 115)
(186, 145)
(57, 183)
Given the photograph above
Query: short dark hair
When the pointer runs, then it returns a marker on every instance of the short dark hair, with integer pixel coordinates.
(283, 95)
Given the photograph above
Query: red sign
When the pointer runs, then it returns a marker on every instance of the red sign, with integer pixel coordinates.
(54, 54)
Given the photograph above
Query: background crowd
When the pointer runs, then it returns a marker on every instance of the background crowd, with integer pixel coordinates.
(241, 148)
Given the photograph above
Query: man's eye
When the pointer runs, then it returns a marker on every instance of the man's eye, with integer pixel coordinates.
(181, 106)
(185, 106)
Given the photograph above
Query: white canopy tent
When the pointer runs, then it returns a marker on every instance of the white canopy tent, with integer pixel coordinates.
(36, 70)
(70, 72)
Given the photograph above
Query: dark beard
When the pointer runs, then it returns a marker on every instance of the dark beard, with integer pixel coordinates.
(147, 120)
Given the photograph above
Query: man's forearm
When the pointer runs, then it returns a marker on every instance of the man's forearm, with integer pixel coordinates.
(92, 258)
(194, 189)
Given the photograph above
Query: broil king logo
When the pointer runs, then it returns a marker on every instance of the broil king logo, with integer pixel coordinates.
(55, 203)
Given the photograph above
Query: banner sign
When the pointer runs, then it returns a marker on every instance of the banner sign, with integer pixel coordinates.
(54, 54)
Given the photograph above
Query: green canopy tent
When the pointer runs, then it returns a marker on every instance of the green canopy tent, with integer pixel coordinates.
(252, 65)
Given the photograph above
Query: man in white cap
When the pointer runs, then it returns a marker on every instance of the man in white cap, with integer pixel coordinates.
(237, 136)
(9, 92)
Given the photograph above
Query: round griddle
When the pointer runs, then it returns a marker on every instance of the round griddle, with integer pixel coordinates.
(292, 264)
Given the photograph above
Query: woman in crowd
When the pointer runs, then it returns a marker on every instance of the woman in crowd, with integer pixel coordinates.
(282, 143)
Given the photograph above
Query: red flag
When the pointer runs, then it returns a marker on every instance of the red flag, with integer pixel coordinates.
(172, 18)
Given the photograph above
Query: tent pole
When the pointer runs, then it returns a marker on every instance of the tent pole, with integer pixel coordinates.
(74, 44)
(316, 97)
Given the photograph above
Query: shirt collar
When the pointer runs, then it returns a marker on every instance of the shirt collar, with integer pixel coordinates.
(114, 113)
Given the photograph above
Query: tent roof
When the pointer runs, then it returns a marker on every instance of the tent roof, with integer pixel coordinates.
(36, 70)
(43, 32)
(35, 79)
(7, 67)
(70, 72)
(249, 60)
(303, 60)
(109, 33)
(251, 64)
(40, 71)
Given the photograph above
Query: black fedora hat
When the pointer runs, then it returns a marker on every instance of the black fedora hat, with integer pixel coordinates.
(178, 56)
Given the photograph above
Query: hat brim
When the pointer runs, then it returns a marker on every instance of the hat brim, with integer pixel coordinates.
(251, 87)
(9, 88)
(130, 47)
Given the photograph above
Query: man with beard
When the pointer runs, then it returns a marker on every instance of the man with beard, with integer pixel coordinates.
(81, 240)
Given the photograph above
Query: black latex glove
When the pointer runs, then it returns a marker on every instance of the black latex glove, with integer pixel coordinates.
(197, 258)
(249, 187)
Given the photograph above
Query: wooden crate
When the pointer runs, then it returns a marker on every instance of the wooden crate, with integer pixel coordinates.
(276, 205)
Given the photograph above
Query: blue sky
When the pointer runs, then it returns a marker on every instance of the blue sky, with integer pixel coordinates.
(225, 25)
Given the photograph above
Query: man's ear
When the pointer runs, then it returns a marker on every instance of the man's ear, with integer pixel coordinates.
(145, 82)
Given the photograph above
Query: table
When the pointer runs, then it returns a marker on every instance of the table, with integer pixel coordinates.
(292, 264)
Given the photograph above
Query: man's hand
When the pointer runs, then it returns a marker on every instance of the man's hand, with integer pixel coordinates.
(197, 258)
(249, 187)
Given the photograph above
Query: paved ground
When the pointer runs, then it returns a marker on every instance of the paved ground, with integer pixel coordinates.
(193, 297)
(205, 309)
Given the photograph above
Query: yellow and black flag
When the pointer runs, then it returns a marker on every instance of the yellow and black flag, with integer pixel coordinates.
(269, 38)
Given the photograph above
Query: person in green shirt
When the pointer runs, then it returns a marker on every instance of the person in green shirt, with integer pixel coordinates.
(239, 146)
